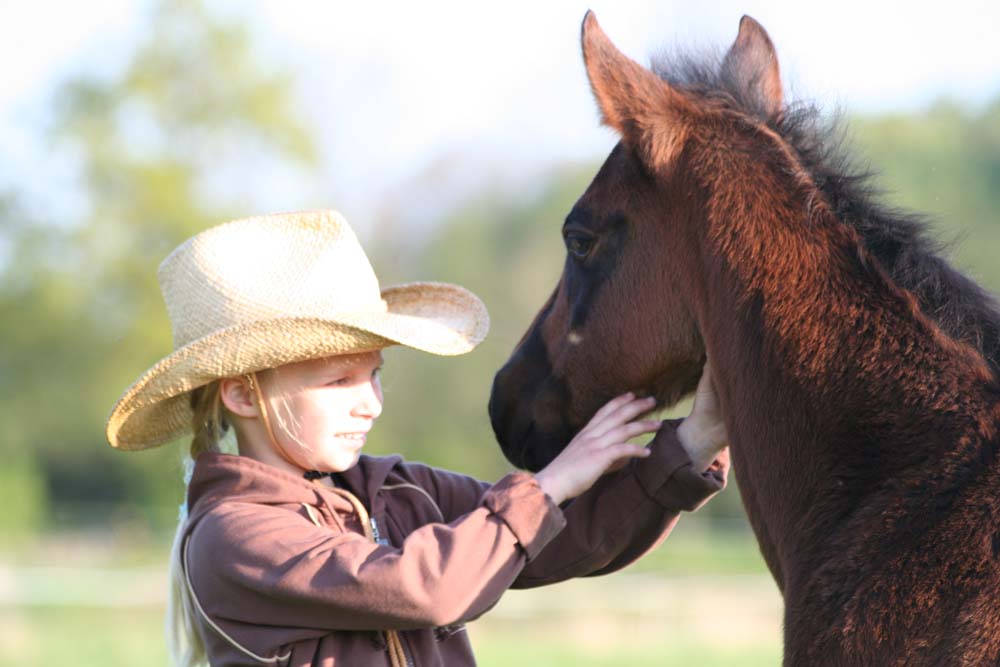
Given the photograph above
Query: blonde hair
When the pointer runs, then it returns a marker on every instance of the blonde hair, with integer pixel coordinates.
(209, 425)
(213, 430)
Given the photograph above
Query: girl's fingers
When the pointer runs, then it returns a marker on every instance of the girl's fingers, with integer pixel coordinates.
(631, 410)
(610, 406)
(628, 431)
(624, 413)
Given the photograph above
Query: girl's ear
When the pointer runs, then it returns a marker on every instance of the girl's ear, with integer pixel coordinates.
(237, 396)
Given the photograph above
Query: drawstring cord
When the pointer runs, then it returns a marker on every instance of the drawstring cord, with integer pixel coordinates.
(397, 657)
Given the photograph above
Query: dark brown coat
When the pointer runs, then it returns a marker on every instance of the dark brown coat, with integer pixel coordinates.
(296, 593)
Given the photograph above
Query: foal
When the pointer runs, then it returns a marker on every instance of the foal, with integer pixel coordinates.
(856, 370)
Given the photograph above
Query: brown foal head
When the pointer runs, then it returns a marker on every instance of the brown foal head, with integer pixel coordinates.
(623, 316)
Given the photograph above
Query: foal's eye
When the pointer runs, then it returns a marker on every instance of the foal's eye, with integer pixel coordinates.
(578, 246)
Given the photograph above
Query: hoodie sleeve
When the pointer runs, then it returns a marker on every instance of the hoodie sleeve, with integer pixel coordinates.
(626, 513)
(612, 524)
(264, 566)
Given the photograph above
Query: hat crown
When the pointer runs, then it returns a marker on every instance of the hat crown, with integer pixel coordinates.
(305, 264)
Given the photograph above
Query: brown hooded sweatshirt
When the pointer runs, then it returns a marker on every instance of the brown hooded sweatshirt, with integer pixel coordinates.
(284, 575)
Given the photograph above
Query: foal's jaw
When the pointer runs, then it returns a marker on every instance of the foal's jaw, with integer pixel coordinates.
(678, 383)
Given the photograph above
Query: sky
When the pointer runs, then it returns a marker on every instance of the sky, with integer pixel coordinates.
(460, 95)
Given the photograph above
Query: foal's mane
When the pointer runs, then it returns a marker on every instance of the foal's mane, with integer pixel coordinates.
(899, 240)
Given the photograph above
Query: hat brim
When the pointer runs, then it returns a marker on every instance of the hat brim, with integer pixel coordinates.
(439, 318)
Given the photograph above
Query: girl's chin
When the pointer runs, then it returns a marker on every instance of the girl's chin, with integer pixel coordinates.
(338, 457)
(344, 460)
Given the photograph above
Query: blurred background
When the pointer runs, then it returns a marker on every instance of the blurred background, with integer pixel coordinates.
(455, 137)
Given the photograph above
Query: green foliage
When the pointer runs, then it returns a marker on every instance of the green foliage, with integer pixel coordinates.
(82, 636)
(944, 163)
(148, 141)
(23, 497)
(529, 646)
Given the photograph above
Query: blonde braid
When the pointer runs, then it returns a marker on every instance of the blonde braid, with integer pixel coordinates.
(208, 421)
(208, 425)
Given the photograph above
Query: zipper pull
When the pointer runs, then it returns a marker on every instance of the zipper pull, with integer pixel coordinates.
(375, 534)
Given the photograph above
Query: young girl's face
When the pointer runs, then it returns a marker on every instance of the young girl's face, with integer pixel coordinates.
(323, 408)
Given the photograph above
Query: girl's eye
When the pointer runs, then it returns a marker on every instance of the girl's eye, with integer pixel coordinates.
(348, 379)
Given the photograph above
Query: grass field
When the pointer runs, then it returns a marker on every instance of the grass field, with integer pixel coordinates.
(700, 600)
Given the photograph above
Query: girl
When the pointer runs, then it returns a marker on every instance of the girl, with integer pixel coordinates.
(301, 551)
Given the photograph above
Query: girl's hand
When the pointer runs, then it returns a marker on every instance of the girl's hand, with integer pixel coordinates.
(598, 446)
(703, 432)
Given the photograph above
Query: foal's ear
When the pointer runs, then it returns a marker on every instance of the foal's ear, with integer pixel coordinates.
(642, 107)
(751, 66)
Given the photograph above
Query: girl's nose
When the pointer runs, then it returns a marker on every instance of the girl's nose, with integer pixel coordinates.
(369, 403)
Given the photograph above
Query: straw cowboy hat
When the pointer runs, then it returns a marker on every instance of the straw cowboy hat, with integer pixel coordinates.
(265, 291)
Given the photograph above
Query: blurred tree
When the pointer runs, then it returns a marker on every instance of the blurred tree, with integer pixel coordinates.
(193, 102)
(944, 163)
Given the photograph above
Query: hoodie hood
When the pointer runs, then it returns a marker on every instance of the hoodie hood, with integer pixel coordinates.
(225, 477)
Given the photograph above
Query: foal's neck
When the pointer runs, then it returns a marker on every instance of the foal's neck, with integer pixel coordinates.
(833, 380)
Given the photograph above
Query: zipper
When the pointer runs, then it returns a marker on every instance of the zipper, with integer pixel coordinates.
(378, 539)
(406, 650)
(377, 536)
(375, 533)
